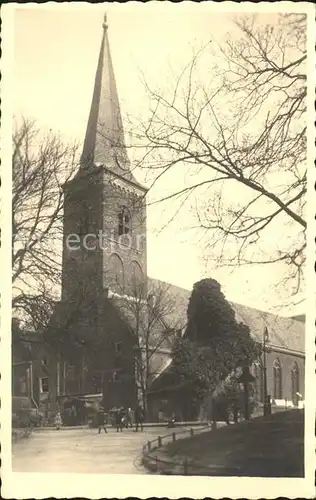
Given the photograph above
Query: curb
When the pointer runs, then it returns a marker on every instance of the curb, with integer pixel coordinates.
(169, 468)
(159, 462)
(145, 425)
(62, 428)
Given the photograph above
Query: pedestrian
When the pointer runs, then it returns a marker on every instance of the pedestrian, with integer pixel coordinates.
(58, 421)
(101, 420)
(139, 418)
(129, 416)
(123, 417)
(172, 420)
(235, 412)
(226, 413)
(118, 420)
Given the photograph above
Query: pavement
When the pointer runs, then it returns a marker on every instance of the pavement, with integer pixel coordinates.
(84, 451)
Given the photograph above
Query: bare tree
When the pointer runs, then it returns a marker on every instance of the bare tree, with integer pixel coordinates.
(40, 166)
(149, 314)
(241, 136)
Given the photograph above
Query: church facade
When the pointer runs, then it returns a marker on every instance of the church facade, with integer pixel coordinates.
(104, 241)
(105, 256)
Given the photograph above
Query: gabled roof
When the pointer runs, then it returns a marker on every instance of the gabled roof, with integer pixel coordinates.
(180, 298)
(287, 333)
(300, 317)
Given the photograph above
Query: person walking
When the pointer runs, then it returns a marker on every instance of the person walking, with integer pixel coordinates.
(235, 412)
(101, 420)
(129, 416)
(124, 418)
(118, 420)
(58, 421)
(139, 418)
(172, 420)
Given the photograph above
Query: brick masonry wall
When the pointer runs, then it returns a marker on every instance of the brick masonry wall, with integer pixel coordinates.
(286, 362)
(130, 248)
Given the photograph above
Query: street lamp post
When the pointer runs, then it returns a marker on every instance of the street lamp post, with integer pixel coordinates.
(266, 406)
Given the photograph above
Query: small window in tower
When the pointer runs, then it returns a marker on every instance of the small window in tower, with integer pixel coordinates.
(44, 385)
(124, 222)
(97, 382)
(118, 346)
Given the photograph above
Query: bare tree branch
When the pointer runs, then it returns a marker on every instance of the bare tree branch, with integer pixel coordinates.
(40, 166)
(246, 126)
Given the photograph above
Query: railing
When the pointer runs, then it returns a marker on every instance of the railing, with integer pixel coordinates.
(156, 463)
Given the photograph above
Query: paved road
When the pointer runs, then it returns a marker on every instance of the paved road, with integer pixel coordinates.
(83, 450)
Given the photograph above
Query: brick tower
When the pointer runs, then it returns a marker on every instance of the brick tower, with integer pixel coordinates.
(104, 236)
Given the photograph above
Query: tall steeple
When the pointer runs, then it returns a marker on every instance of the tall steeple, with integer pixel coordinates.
(104, 141)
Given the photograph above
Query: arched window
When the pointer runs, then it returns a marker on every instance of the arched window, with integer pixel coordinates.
(259, 382)
(277, 380)
(136, 278)
(152, 299)
(295, 380)
(116, 273)
(124, 222)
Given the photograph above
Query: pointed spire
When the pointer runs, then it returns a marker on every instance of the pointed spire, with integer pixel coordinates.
(104, 141)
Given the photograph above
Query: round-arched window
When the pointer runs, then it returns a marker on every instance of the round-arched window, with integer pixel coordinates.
(151, 299)
(277, 380)
(136, 277)
(295, 382)
(124, 222)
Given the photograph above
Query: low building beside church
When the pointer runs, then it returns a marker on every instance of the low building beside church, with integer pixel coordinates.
(33, 370)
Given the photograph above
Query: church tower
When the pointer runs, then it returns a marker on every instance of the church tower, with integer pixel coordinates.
(104, 205)
(104, 224)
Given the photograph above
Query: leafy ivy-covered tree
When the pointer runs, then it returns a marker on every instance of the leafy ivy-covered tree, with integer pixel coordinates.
(214, 344)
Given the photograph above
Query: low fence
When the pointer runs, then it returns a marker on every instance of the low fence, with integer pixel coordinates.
(155, 462)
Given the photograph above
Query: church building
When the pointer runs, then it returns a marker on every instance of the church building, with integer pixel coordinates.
(104, 241)
(105, 256)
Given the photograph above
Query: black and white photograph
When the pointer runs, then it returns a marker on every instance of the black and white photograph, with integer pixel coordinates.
(158, 305)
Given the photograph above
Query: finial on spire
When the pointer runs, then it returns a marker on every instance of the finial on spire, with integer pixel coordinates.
(105, 24)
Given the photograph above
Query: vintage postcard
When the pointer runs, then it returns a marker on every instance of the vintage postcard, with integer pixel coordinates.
(158, 267)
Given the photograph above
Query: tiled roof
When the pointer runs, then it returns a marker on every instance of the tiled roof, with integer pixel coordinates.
(287, 333)
(180, 298)
(284, 332)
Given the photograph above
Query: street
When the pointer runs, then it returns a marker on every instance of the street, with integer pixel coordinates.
(84, 451)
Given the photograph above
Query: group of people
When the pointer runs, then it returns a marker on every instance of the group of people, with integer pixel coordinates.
(123, 418)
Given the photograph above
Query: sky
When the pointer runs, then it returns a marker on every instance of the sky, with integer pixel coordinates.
(55, 57)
